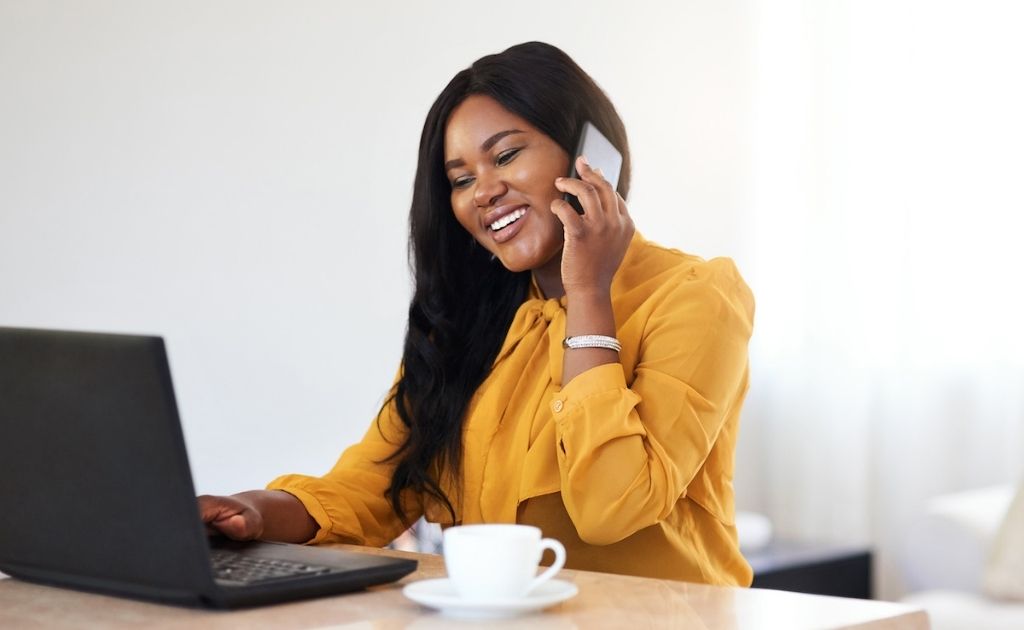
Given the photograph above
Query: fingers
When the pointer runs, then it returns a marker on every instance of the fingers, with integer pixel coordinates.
(230, 517)
(236, 527)
(588, 194)
(595, 193)
(571, 221)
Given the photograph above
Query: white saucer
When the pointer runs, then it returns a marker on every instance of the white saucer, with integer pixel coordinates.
(441, 594)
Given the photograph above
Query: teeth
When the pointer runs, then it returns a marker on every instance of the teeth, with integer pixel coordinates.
(507, 219)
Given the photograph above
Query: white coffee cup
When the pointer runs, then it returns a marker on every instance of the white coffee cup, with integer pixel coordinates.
(498, 561)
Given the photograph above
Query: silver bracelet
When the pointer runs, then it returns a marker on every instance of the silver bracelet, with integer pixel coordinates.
(591, 341)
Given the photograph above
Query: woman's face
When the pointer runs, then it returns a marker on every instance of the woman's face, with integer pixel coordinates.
(502, 171)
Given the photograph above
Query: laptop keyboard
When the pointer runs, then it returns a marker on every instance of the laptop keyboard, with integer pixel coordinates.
(234, 568)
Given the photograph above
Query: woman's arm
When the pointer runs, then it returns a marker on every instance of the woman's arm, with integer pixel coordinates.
(628, 453)
(348, 504)
(595, 244)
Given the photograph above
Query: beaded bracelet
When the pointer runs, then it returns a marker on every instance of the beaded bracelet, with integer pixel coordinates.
(591, 341)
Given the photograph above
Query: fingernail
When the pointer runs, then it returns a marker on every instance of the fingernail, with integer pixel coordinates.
(584, 159)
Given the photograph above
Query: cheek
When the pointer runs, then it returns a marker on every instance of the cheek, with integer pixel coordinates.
(462, 214)
(529, 180)
(554, 225)
(540, 177)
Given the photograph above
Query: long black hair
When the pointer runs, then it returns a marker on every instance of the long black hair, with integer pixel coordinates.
(464, 300)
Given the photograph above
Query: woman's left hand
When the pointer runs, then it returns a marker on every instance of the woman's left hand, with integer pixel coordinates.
(595, 241)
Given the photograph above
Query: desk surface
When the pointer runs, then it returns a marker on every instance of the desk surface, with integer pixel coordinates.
(604, 601)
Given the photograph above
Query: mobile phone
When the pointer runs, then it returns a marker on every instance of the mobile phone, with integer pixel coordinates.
(600, 153)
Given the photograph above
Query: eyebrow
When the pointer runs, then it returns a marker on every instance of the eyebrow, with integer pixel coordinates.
(487, 145)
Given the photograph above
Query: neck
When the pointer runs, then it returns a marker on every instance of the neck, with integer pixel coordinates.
(549, 277)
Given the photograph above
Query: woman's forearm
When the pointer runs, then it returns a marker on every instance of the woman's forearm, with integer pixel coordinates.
(588, 314)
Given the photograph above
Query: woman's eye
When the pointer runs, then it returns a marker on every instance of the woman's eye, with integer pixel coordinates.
(503, 158)
(506, 156)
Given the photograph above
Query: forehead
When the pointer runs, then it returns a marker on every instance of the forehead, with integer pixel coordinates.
(476, 119)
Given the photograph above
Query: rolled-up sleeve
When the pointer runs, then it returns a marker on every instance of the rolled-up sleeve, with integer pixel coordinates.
(627, 453)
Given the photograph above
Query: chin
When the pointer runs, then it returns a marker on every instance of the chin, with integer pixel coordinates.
(516, 261)
(528, 262)
(516, 265)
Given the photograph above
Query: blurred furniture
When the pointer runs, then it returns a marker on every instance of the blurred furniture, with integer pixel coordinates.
(802, 567)
(817, 568)
(946, 555)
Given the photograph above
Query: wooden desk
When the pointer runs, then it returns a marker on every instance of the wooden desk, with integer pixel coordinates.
(605, 601)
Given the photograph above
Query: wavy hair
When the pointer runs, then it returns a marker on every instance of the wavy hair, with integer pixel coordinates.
(464, 300)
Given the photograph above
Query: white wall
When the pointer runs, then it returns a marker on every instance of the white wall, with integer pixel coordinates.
(235, 176)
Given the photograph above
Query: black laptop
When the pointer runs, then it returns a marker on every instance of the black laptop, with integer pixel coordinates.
(96, 491)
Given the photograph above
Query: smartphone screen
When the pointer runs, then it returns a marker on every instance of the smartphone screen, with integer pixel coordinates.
(600, 153)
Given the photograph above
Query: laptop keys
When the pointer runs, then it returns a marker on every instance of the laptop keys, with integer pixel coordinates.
(230, 568)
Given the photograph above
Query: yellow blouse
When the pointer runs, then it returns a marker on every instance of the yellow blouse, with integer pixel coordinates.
(630, 465)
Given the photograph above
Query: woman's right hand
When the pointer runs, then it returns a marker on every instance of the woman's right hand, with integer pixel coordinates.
(234, 517)
(258, 514)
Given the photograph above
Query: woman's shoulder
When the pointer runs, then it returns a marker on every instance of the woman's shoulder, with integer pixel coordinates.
(667, 268)
(658, 281)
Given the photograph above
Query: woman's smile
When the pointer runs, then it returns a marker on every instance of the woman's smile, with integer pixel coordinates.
(508, 223)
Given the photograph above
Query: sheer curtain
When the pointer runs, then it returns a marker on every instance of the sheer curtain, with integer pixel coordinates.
(887, 256)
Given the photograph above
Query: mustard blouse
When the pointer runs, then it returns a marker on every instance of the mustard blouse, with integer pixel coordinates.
(630, 465)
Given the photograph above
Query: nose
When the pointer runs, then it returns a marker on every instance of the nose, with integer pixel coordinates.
(489, 189)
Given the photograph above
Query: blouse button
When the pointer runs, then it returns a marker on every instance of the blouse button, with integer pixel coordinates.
(557, 406)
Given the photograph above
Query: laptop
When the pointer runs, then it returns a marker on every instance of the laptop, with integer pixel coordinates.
(96, 491)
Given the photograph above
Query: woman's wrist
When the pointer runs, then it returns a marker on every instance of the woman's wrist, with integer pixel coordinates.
(589, 313)
(589, 298)
(284, 518)
(588, 293)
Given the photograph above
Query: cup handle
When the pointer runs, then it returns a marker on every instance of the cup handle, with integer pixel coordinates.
(556, 566)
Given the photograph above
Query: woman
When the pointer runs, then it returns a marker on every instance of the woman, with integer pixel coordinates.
(626, 456)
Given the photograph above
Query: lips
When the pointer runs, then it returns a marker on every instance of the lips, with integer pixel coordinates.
(508, 220)
(500, 212)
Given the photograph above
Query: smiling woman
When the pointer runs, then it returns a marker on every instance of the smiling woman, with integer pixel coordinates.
(559, 370)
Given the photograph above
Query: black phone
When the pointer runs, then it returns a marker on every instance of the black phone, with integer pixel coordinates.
(601, 153)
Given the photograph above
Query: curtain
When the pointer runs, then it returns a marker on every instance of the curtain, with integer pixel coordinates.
(887, 256)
